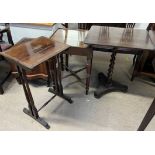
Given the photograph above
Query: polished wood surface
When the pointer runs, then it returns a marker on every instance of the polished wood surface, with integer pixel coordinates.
(119, 37)
(32, 53)
(40, 72)
(74, 38)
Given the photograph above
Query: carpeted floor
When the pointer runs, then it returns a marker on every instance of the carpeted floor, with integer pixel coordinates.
(114, 111)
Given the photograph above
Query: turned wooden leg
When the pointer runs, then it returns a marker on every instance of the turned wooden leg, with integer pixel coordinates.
(1, 90)
(148, 117)
(32, 110)
(111, 68)
(62, 62)
(88, 70)
(48, 73)
(67, 61)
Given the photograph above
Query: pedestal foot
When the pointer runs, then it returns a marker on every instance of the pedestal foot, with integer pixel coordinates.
(105, 87)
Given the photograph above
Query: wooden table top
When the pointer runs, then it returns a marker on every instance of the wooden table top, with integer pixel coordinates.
(30, 54)
(74, 38)
(119, 37)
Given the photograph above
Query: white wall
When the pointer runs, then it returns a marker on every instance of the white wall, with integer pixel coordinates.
(21, 32)
(141, 25)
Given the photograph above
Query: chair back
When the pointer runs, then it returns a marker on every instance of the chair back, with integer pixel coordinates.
(87, 26)
(9, 36)
(84, 26)
(130, 25)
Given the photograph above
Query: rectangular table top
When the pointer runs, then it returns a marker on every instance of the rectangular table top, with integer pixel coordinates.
(74, 38)
(119, 37)
(30, 54)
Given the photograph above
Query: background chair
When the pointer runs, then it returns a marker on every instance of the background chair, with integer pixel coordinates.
(5, 43)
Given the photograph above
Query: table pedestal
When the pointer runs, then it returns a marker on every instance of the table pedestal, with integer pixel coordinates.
(54, 75)
(106, 84)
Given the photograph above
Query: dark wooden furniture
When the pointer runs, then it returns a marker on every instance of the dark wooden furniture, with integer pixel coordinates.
(148, 117)
(145, 62)
(5, 69)
(129, 27)
(30, 54)
(40, 71)
(88, 25)
(75, 39)
(116, 37)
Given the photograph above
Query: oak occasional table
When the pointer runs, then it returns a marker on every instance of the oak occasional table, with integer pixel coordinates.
(116, 38)
(29, 55)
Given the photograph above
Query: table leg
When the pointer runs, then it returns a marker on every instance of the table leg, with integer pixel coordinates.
(1, 90)
(62, 62)
(55, 67)
(106, 84)
(49, 78)
(148, 117)
(32, 111)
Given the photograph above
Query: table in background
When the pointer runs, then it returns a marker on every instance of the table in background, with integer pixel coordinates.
(116, 38)
(75, 39)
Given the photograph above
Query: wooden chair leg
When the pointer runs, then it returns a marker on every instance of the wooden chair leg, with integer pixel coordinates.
(67, 61)
(1, 90)
(88, 70)
(148, 117)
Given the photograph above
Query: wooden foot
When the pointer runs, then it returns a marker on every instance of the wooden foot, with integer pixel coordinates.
(39, 120)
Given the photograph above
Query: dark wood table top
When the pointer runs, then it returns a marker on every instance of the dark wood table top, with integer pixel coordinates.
(31, 53)
(119, 37)
(74, 38)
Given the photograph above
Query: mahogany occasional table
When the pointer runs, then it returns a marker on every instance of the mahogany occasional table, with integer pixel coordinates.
(29, 55)
(116, 38)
